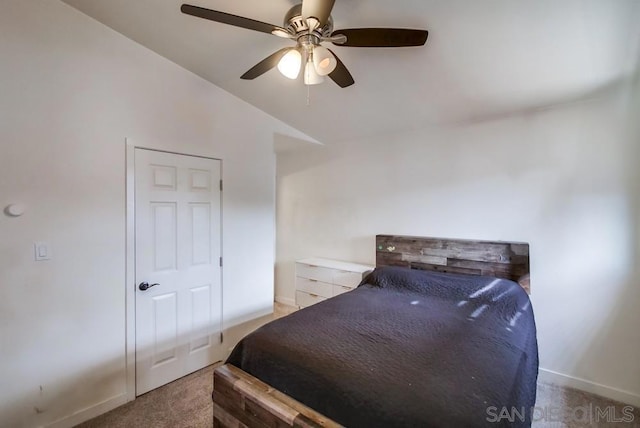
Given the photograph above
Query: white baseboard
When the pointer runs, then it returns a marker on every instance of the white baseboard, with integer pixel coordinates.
(89, 412)
(285, 301)
(627, 397)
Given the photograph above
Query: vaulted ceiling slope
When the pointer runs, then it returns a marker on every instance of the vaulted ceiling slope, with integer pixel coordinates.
(483, 58)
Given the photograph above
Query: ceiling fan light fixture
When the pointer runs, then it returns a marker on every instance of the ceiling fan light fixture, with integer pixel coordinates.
(311, 77)
(309, 24)
(290, 64)
(323, 60)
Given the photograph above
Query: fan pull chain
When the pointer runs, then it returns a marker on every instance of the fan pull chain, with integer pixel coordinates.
(308, 95)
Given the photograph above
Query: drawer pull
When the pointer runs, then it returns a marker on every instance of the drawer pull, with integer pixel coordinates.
(312, 266)
(313, 280)
(314, 295)
(346, 288)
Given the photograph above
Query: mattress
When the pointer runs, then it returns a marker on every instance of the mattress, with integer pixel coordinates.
(406, 348)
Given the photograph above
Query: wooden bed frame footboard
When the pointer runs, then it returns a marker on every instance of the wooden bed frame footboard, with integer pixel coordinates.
(241, 400)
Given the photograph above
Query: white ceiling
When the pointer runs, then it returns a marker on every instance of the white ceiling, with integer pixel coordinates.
(482, 59)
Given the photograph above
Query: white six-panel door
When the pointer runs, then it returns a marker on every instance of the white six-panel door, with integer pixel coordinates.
(177, 239)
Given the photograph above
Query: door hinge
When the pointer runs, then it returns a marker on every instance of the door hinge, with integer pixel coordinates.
(221, 185)
(221, 337)
(220, 261)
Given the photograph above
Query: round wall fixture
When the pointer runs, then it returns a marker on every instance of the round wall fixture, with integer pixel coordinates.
(15, 210)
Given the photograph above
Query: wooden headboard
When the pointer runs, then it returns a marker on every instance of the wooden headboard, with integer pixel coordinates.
(493, 258)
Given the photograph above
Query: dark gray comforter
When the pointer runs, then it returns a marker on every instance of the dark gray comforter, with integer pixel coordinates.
(408, 349)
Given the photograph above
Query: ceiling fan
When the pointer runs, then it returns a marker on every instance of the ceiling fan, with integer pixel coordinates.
(310, 24)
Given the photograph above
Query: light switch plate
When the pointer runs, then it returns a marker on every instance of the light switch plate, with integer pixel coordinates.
(42, 251)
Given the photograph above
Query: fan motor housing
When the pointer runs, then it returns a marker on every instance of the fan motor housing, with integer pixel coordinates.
(295, 24)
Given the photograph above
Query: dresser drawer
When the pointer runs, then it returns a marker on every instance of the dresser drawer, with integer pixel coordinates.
(347, 279)
(339, 289)
(318, 273)
(312, 286)
(305, 299)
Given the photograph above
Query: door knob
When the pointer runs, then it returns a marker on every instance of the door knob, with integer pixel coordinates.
(144, 286)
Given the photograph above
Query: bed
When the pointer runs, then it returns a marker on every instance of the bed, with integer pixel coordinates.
(439, 334)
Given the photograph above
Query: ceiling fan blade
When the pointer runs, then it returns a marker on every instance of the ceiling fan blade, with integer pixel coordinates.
(227, 18)
(319, 9)
(382, 37)
(341, 75)
(265, 65)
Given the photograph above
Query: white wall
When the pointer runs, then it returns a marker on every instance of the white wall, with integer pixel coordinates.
(71, 91)
(561, 179)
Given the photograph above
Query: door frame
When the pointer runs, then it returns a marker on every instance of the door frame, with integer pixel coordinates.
(130, 259)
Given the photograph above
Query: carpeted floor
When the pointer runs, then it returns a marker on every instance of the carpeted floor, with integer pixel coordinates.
(187, 403)
(180, 404)
(559, 407)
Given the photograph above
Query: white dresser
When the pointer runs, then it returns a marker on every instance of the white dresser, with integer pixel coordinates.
(319, 279)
